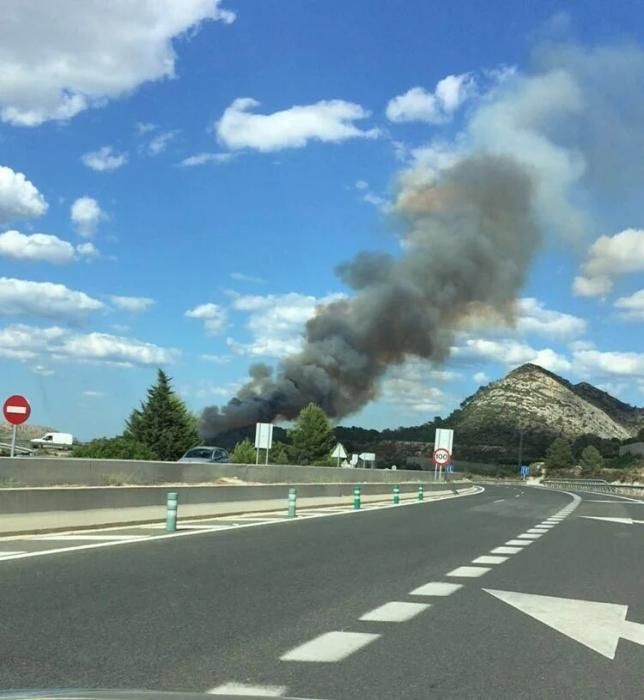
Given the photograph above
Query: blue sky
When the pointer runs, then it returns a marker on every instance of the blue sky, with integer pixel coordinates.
(179, 181)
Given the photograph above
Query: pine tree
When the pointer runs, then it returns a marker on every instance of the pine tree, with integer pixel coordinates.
(559, 455)
(244, 453)
(312, 437)
(591, 459)
(163, 423)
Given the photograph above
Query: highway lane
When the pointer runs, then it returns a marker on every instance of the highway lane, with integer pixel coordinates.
(196, 613)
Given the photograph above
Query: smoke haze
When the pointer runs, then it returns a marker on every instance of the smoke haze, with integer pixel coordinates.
(473, 214)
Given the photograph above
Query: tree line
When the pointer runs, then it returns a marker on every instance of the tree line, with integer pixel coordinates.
(163, 429)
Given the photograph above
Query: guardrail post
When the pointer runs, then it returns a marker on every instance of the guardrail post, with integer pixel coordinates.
(396, 491)
(356, 498)
(292, 503)
(171, 513)
(421, 492)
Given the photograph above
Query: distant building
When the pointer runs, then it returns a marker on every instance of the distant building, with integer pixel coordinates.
(635, 448)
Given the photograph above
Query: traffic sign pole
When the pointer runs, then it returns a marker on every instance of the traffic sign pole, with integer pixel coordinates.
(16, 410)
(13, 441)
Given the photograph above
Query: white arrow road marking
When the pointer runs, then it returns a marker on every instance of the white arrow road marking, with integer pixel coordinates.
(624, 521)
(598, 626)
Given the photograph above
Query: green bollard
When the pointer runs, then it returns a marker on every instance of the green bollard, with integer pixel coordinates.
(421, 492)
(292, 503)
(356, 498)
(396, 495)
(171, 514)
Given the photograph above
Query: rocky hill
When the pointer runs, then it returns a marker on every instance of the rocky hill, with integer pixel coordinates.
(531, 406)
(531, 398)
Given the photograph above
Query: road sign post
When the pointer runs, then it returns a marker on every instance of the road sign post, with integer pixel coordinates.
(16, 411)
(441, 458)
(339, 453)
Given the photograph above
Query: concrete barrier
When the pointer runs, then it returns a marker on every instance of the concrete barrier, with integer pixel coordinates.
(42, 471)
(37, 510)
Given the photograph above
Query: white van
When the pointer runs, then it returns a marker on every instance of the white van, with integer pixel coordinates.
(64, 440)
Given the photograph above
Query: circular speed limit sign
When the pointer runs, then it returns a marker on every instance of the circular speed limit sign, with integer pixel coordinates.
(442, 456)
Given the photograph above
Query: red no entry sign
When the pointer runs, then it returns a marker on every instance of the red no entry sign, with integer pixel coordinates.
(442, 456)
(16, 409)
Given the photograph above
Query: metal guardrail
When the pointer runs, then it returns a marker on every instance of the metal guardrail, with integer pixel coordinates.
(595, 486)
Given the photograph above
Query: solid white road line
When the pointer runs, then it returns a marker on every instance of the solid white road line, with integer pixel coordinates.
(97, 538)
(395, 612)
(437, 588)
(518, 543)
(506, 550)
(486, 559)
(246, 689)
(9, 554)
(330, 647)
(500, 500)
(469, 571)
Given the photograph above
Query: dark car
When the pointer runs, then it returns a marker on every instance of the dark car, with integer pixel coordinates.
(205, 454)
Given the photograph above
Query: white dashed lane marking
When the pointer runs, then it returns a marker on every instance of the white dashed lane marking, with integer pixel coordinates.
(437, 588)
(395, 612)
(468, 571)
(247, 689)
(486, 559)
(330, 647)
(529, 536)
(518, 543)
(506, 550)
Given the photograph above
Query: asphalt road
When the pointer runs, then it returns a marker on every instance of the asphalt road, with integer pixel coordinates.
(256, 606)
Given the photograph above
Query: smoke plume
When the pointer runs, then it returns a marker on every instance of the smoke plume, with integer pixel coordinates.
(473, 214)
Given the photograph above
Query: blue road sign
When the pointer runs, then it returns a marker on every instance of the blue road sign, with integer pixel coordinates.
(525, 471)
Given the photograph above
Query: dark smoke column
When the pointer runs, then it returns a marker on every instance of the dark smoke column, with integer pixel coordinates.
(469, 239)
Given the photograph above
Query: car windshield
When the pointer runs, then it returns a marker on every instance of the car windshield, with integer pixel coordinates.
(389, 442)
(199, 453)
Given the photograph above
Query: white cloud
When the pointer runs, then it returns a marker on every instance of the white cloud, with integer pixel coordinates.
(87, 250)
(133, 304)
(608, 258)
(212, 315)
(104, 159)
(19, 198)
(144, 127)
(86, 214)
(45, 300)
(35, 247)
(362, 185)
(632, 306)
(480, 378)
(217, 359)
(243, 277)
(92, 393)
(42, 370)
(533, 317)
(22, 342)
(276, 322)
(620, 364)
(160, 142)
(581, 345)
(437, 107)
(203, 158)
(60, 58)
(406, 387)
(327, 120)
(510, 353)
